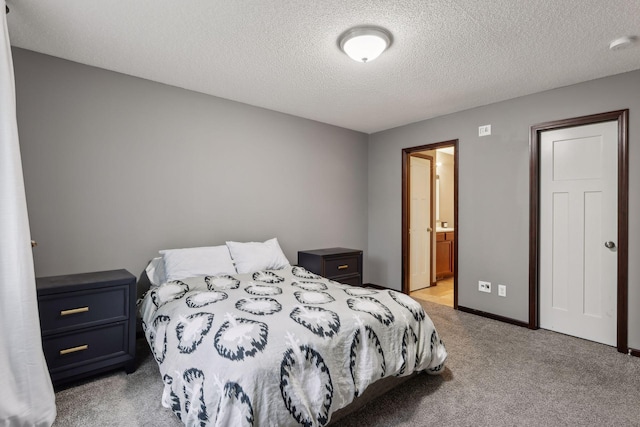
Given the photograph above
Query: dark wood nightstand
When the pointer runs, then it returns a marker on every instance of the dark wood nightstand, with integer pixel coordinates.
(339, 264)
(88, 323)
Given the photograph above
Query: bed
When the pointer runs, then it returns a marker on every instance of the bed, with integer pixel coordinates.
(279, 346)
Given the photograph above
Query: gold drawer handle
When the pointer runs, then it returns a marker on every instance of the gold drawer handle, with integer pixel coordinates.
(74, 349)
(74, 311)
(342, 267)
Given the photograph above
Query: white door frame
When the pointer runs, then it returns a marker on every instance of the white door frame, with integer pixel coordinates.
(621, 116)
(406, 152)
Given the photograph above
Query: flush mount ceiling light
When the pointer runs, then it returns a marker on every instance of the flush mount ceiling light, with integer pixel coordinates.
(364, 44)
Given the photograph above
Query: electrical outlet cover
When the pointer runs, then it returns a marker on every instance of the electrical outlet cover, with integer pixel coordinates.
(502, 290)
(484, 286)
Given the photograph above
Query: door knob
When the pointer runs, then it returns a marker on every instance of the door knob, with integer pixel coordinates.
(429, 229)
(609, 244)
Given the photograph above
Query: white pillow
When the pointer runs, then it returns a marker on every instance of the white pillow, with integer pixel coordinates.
(255, 256)
(155, 272)
(189, 262)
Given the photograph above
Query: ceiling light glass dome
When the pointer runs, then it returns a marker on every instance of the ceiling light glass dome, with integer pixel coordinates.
(364, 44)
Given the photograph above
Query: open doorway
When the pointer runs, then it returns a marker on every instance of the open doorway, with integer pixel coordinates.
(429, 222)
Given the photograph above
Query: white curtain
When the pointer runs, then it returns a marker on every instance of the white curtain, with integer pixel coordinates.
(26, 394)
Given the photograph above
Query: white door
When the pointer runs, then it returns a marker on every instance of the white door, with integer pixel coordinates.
(578, 226)
(419, 222)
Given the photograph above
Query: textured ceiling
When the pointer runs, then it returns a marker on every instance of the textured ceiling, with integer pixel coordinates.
(446, 56)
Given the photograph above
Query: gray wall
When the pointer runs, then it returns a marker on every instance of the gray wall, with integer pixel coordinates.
(494, 191)
(118, 167)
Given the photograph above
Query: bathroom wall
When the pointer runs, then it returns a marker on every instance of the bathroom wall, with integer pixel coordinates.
(446, 181)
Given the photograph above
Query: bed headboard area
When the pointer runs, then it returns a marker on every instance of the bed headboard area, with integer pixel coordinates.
(143, 285)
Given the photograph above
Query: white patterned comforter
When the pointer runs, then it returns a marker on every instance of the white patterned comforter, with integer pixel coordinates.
(280, 347)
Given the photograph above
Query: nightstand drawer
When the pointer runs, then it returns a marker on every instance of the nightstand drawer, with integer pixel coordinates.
(65, 351)
(67, 310)
(351, 280)
(341, 266)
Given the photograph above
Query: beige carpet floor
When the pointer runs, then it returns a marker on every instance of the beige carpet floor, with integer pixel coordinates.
(497, 375)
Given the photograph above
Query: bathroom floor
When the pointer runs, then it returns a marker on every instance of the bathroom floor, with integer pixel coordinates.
(442, 293)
